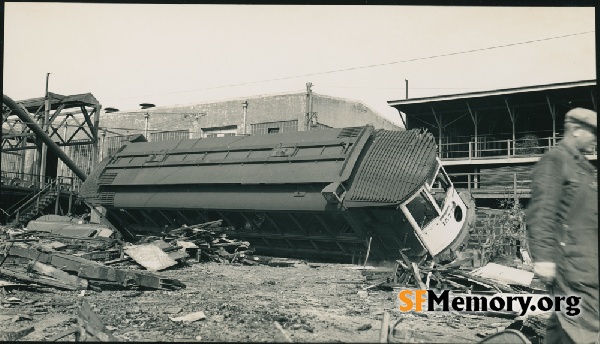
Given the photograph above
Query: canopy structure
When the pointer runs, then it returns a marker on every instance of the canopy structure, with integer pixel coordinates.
(504, 114)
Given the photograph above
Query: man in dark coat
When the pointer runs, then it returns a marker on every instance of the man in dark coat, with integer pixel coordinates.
(562, 228)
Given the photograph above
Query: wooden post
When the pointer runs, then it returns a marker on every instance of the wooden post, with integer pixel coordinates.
(368, 251)
(470, 151)
(475, 123)
(385, 324)
(469, 182)
(515, 185)
(439, 124)
(511, 113)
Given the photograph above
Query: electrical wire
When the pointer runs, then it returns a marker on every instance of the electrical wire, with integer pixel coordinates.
(368, 66)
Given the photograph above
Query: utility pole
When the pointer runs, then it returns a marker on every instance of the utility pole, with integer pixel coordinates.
(45, 125)
(308, 106)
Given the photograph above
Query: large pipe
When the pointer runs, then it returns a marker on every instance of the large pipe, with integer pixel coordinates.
(43, 136)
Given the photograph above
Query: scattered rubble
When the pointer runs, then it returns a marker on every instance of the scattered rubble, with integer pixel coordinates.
(64, 253)
(75, 258)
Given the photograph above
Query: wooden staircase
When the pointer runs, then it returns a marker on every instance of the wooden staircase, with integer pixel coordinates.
(36, 204)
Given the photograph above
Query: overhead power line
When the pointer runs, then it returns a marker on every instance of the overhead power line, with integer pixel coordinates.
(368, 66)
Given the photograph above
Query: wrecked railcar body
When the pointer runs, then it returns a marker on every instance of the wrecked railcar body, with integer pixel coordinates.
(312, 194)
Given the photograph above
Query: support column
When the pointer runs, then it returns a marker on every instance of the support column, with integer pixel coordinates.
(511, 113)
(439, 125)
(102, 145)
(553, 114)
(44, 126)
(23, 155)
(95, 136)
(475, 124)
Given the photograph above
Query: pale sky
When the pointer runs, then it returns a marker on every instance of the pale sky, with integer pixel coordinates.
(126, 54)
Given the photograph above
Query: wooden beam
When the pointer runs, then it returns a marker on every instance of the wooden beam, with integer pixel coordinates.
(90, 322)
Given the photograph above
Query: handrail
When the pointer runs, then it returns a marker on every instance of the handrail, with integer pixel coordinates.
(499, 148)
(515, 181)
(34, 179)
(36, 196)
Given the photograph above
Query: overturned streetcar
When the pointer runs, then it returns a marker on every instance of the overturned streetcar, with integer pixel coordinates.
(321, 194)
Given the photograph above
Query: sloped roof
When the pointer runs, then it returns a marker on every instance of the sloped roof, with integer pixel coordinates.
(529, 95)
(33, 104)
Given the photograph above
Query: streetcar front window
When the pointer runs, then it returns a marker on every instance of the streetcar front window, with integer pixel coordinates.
(422, 210)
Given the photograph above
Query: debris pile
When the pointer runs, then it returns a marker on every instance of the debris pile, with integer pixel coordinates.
(457, 276)
(65, 253)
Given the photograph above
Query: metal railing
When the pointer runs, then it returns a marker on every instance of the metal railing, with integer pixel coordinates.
(33, 181)
(515, 183)
(526, 146)
(35, 198)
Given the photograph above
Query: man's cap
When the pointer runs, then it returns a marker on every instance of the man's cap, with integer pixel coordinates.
(582, 116)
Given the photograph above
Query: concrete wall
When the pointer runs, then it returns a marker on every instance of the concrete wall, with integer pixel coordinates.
(333, 112)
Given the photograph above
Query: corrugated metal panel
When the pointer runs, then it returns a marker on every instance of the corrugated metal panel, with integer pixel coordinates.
(396, 165)
(319, 156)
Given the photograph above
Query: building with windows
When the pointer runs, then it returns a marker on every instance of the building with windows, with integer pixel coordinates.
(278, 113)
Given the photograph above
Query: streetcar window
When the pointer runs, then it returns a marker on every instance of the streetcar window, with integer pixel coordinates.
(439, 188)
(422, 210)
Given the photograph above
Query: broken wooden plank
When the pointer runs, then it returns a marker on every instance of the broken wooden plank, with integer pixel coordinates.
(504, 274)
(72, 330)
(92, 270)
(280, 335)
(90, 322)
(417, 274)
(12, 336)
(190, 317)
(385, 328)
(44, 269)
(149, 256)
(485, 281)
(23, 276)
(100, 255)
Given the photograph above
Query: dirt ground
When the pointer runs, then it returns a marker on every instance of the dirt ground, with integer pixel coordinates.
(313, 302)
